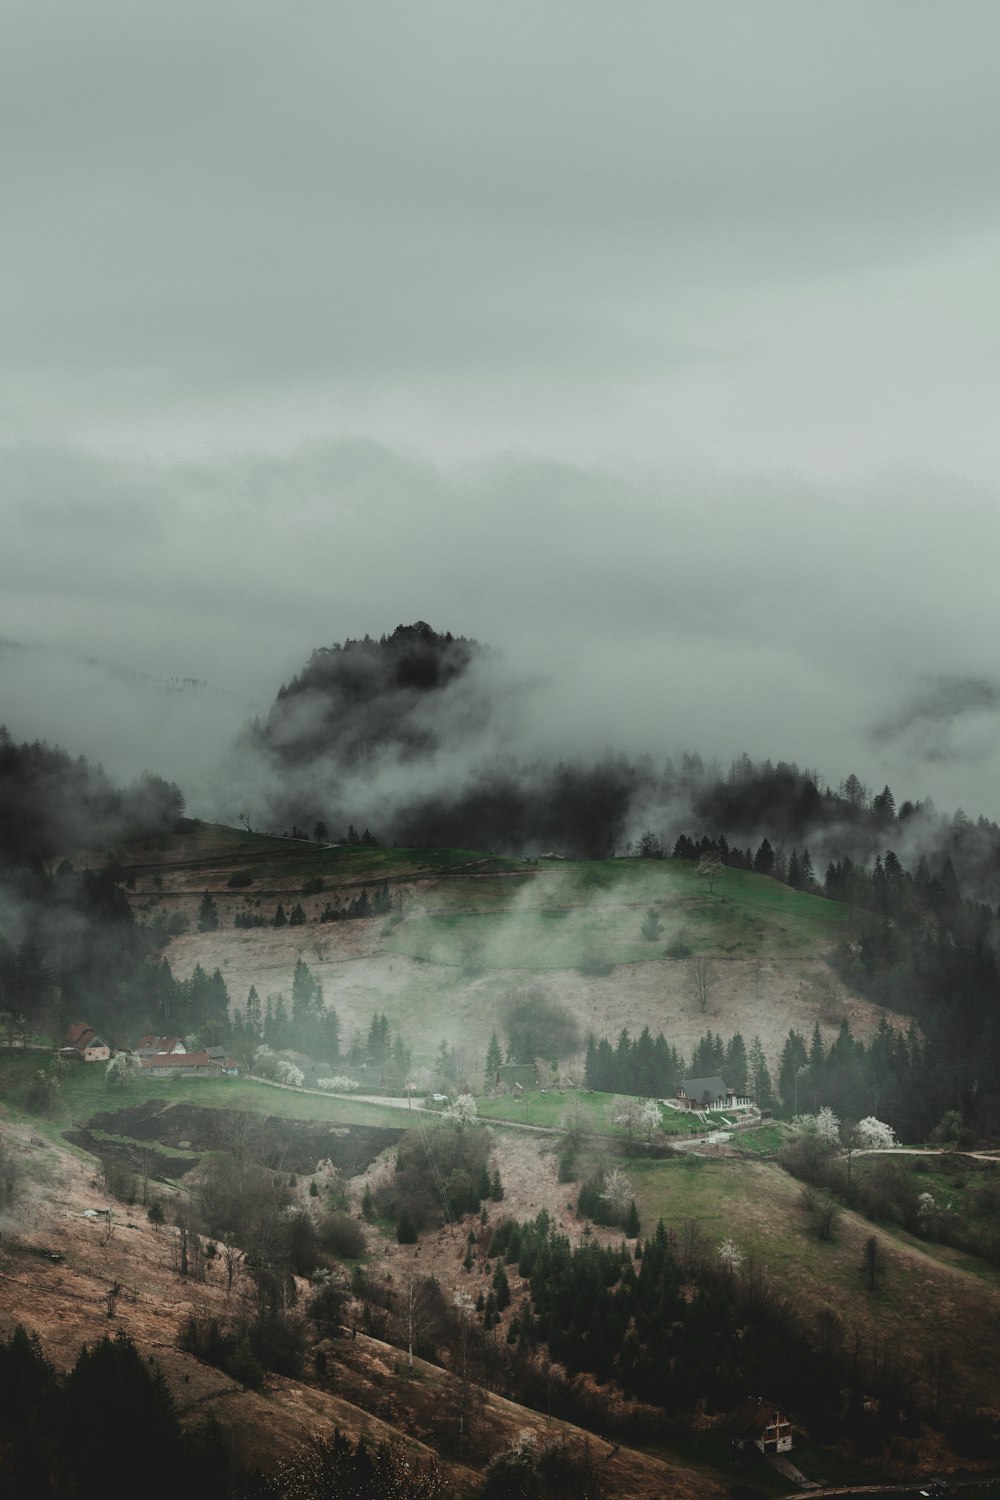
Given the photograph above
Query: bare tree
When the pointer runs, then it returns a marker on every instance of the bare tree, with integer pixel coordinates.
(703, 978)
(574, 1122)
(872, 1262)
(231, 1258)
(416, 1311)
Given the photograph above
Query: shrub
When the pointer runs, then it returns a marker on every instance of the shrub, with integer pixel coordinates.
(406, 1230)
(341, 1235)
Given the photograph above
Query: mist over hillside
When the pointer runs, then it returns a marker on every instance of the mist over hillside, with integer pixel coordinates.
(428, 739)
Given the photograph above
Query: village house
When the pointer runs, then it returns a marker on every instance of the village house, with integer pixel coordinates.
(765, 1424)
(709, 1093)
(149, 1046)
(81, 1041)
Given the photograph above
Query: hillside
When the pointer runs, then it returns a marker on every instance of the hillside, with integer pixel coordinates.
(466, 929)
(57, 1264)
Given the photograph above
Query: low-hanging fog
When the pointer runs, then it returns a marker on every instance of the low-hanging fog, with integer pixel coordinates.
(653, 349)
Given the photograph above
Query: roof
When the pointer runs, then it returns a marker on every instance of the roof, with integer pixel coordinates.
(80, 1036)
(158, 1043)
(178, 1060)
(697, 1088)
(757, 1413)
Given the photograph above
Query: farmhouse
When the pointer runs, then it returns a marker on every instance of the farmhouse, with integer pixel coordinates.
(766, 1425)
(709, 1093)
(83, 1042)
(148, 1046)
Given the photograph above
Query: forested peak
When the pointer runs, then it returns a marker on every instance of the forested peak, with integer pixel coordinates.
(413, 657)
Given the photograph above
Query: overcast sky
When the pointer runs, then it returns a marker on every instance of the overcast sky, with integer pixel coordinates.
(656, 343)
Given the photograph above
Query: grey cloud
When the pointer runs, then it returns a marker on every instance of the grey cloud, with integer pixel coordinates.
(945, 718)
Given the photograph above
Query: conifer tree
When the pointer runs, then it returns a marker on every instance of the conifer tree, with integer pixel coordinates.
(494, 1058)
(208, 916)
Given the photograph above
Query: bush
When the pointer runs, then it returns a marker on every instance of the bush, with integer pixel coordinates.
(341, 1235)
(678, 947)
(326, 1305)
(406, 1230)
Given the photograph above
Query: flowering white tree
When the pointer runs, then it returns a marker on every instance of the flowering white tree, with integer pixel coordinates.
(287, 1072)
(340, 1084)
(123, 1069)
(264, 1061)
(731, 1257)
(828, 1126)
(874, 1134)
(637, 1117)
(463, 1111)
(617, 1190)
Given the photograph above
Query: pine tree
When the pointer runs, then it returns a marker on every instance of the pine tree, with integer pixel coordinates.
(632, 1225)
(494, 1058)
(279, 917)
(496, 1186)
(208, 916)
(759, 1077)
(501, 1287)
(253, 1017)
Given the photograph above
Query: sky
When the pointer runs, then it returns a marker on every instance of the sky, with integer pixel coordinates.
(656, 344)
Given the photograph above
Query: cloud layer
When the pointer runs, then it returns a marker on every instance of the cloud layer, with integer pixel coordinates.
(657, 347)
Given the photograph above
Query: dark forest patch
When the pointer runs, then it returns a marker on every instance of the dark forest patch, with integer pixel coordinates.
(281, 1143)
(129, 1157)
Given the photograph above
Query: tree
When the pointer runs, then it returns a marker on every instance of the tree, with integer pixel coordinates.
(652, 927)
(763, 860)
(702, 980)
(710, 868)
(649, 846)
(872, 1262)
(122, 1070)
(208, 916)
(494, 1058)
(730, 1257)
(617, 1192)
(874, 1135)
(759, 1076)
(406, 1230)
(463, 1111)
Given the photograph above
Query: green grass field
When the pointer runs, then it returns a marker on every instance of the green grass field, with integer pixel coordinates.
(83, 1091)
(569, 912)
